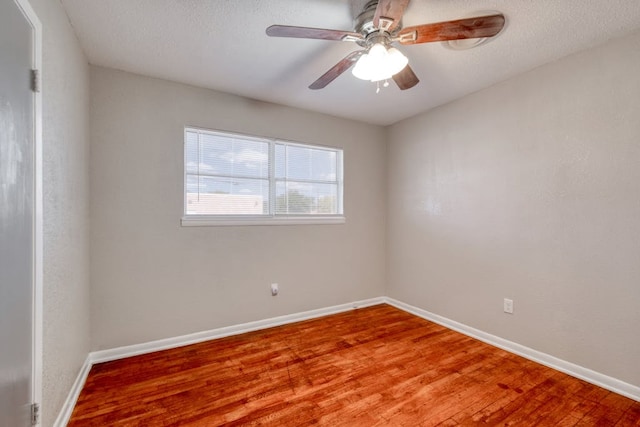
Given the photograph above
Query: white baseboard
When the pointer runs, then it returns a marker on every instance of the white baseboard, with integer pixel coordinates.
(164, 344)
(593, 377)
(65, 413)
(604, 381)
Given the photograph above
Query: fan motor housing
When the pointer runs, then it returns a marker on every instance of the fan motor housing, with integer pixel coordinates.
(364, 22)
(364, 25)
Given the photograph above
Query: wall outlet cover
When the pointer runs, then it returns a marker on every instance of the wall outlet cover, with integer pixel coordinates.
(508, 305)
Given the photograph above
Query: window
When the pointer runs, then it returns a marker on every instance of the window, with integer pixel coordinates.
(233, 179)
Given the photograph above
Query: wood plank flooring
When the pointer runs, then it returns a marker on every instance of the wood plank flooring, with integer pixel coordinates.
(376, 366)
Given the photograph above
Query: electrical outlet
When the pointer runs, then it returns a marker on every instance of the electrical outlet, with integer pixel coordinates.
(508, 305)
(274, 289)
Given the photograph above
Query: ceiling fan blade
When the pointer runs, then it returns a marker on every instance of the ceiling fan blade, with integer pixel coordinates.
(469, 28)
(390, 11)
(406, 79)
(312, 33)
(336, 70)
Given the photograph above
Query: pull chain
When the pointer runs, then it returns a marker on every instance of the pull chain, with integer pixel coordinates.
(385, 84)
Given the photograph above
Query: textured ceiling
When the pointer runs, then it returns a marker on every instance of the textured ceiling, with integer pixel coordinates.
(221, 44)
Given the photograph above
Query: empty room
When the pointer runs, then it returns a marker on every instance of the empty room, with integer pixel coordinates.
(319, 212)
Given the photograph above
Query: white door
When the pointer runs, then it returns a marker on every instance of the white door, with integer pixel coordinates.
(18, 202)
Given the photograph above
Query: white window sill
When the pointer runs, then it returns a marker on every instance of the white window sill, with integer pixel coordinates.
(208, 221)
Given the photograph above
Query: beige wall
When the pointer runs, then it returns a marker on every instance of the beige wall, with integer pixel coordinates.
(65, 92)
(153, 279)
(529, 190)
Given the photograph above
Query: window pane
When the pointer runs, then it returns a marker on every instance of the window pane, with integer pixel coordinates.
(306, 198)
(191, 152)
(309, 164)
(250, 158)
(326, 198)
(281, 163)
(323, 165)
(223, 155)
(213, 149)
(291, 200)
(192, 184)
(227, 196)
(231, 174)
(298, 163)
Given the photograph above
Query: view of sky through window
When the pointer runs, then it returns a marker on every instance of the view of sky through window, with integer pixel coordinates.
(231, 175)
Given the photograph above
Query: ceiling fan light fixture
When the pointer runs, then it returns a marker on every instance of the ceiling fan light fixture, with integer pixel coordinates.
(379, 63)
(397, 61)
(378, 26)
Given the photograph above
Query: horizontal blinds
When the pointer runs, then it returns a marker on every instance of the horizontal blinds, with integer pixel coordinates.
(306, 180)
(227, 174)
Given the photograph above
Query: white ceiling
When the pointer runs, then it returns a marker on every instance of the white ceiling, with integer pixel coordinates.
(222, 45)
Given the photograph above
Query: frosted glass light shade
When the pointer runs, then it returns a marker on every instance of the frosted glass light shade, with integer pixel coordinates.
(379, 63)
(396, 60)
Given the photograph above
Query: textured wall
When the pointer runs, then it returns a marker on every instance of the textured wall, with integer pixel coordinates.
(529, 190)
(65, 91)
(153, 279)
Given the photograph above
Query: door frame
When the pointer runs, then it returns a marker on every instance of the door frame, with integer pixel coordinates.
(38, 231)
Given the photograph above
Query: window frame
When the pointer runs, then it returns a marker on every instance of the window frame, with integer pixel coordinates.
(271, 218)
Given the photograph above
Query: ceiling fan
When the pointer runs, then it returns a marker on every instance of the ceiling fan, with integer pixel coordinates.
(377, 28)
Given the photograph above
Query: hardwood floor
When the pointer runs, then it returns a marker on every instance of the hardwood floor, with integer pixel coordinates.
(376, 366)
